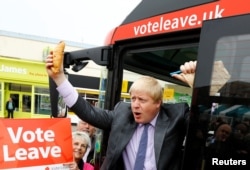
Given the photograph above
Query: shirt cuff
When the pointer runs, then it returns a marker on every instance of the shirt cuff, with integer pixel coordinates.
(68, 92)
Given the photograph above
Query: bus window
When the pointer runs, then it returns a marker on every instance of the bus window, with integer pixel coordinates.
(160, 62)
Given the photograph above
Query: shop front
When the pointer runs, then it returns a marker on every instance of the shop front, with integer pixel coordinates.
(26, 82)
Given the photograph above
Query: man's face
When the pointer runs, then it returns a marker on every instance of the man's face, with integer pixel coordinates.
(223, 132)
(143, 106)
(86, 127)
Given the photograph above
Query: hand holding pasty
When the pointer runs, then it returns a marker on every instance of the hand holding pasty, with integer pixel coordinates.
(58, 54)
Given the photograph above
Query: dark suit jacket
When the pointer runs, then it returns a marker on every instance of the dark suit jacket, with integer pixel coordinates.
(170, 130)
(13, 104)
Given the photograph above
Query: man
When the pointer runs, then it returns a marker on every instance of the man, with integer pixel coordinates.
(10, 107)
(166, 123)
(221, 147)
(88, 128)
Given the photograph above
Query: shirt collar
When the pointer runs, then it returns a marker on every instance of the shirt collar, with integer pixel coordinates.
(153, 122)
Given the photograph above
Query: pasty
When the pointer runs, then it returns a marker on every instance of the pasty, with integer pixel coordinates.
(58, 54)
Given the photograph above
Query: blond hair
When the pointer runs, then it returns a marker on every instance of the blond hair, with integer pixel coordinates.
(149, 85)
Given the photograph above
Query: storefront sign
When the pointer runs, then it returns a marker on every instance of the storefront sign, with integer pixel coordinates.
(124, 86)
(168, 94)
(37, 144)
(19, 70)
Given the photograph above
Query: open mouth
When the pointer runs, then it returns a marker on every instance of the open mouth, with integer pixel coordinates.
(137, 115)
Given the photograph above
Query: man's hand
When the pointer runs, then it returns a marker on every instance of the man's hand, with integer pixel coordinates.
(187, 73)
(58, 77)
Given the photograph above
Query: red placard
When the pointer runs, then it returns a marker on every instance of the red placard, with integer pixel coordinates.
(35, 143)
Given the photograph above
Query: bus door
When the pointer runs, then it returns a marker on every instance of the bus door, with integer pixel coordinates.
(220, 119)
(130, 59)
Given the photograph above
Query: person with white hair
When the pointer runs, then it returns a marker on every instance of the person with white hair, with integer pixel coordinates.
(91, 130)
(81, 142)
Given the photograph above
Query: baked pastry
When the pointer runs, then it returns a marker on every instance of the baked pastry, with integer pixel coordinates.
(58, 54)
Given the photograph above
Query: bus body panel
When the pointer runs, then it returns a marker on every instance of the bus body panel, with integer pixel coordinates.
(179, 20)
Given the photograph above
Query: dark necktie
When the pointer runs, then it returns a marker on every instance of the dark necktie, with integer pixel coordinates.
(140, 157)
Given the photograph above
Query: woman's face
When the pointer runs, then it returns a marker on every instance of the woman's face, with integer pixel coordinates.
(79, 148)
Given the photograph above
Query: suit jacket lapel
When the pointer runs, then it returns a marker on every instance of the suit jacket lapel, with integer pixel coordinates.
(129, 131)
(125, 136)
(161, 128)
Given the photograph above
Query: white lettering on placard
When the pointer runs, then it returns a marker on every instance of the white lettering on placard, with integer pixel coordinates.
(11, 69)
(30, 136)
(31, 153)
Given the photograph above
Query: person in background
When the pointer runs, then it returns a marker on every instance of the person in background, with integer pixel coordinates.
(166, 123)
(241, 141)
(10, 107)
(81, 142)
(220, 147)
(88, 128)
(222, 132)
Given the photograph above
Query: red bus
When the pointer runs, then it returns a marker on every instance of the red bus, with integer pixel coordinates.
(156, 38)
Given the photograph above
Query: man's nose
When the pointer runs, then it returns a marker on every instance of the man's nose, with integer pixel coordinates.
(136, 103)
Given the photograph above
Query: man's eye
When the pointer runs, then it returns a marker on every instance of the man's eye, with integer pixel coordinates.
(142, 100)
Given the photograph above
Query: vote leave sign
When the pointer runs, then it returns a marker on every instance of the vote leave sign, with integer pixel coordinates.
(38, 144)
